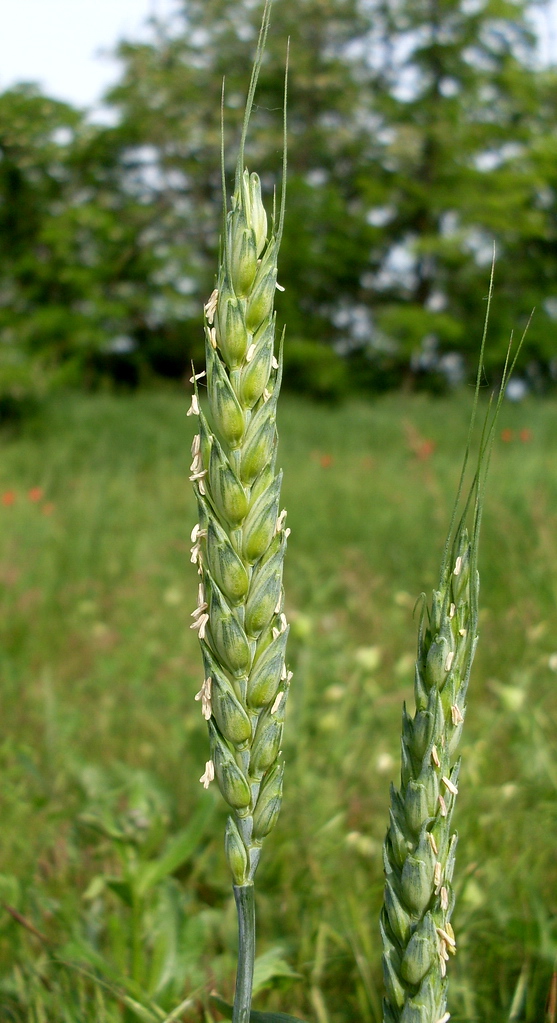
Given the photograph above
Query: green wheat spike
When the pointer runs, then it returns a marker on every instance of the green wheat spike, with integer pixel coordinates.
(419, 850)
(240, 539)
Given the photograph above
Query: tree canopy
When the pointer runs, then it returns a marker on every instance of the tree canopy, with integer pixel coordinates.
(420, 135)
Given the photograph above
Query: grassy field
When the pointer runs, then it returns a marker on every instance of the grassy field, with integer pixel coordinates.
(111, 855)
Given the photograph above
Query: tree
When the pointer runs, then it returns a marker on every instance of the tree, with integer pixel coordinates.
(459, 99)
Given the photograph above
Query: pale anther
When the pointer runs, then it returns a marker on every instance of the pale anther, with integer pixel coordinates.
(446, 937)
(462, 632)
(435, 756)
(200, 594)
(450, 785)
(452, 610)
(250, 352)
(279, 287)
(200, 623)
(280, 520)
(194, 407)
(283, 673)
(456, 716)
(199, 610)
(289, 675)
(198, 376)
(204, 695)
(445, 1018)
(196, 444)
(198, 475)
(277, 703)
(437, 873)
(287, 533)
(266, 395)
(283, 622)
(197, 463)
(442, 806)
(213, 337)
(433, 843)
(449, 661)
(278, 607)
(274, 362)
(201, 486)
(208, 775)
(458, 565)
(211, 306)
(276, 632)
(444, 898)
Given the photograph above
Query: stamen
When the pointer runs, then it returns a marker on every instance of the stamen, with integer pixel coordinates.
(446, 937)
(437, 874)
(200, 623)
(199, 610)
(213, 337)
(279, 287)
(277, 703)
(280, 520)
(458, 565)
(452, 610)
(204, 695)
(450, 785)
(198, 376)
(433, 843)
(456, 716)
(444, 898)
(250, 352)
(208, 775)
(443, 806)
(196, 444)
(274, 362)
(211, 306)
(194, 407)
(449, 661)
(435, 756)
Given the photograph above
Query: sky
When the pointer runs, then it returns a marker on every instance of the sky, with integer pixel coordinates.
(65, 45)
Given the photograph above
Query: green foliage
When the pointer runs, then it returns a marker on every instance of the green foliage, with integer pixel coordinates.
(419, 135)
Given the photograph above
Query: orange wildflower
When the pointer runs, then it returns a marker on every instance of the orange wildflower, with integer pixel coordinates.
(8, 498)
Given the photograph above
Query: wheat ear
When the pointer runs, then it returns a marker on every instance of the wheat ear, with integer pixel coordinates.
(240, 539)
(419, 850)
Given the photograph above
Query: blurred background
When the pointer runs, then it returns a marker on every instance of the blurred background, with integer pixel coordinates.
(421, 134)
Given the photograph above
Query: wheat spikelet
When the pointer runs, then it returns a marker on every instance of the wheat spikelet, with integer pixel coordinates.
(419, 849)
(240, 539)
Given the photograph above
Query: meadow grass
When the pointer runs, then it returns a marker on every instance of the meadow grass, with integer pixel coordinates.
(99, 670)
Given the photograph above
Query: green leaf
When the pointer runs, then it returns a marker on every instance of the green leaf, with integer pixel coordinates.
(269, 966)
(122, 889)
(255, 1016)
(177, 852)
